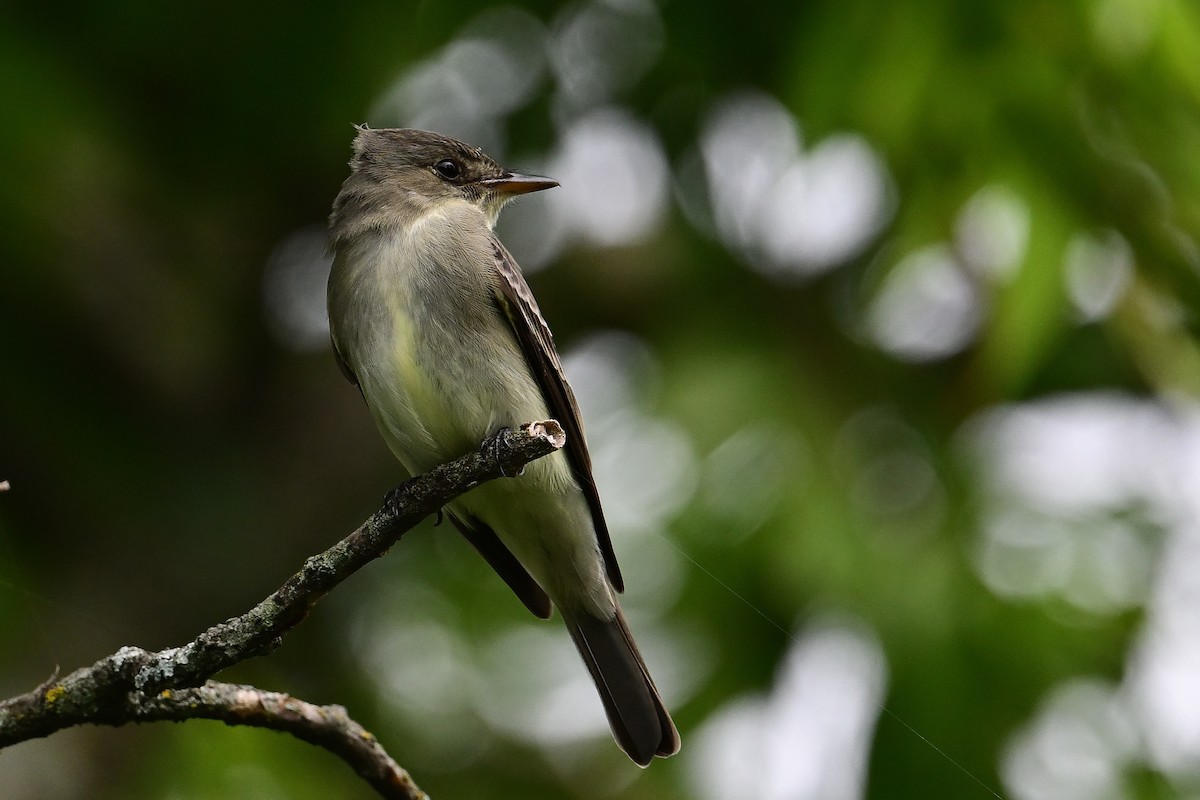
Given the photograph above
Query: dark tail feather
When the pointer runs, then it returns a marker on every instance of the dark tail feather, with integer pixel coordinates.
(640, 723)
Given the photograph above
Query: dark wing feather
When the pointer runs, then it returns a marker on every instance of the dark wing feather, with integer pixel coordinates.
(341, 362)
(518, 305)
(485, 540)
(340, 301)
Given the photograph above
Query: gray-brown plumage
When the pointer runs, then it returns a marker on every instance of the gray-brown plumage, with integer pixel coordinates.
(432, 319)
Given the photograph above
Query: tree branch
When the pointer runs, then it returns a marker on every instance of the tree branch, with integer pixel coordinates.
(136, 685)
(328, 727)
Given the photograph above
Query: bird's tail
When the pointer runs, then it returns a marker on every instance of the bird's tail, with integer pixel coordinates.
(640, 723)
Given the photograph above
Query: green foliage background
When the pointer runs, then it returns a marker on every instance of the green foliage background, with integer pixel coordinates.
(171, 460)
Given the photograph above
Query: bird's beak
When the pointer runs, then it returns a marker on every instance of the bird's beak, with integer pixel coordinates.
(512, 183)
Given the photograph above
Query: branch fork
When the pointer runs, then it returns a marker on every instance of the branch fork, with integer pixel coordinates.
(137, 685)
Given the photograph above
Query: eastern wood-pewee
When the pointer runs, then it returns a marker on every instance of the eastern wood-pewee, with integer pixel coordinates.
(431, 318)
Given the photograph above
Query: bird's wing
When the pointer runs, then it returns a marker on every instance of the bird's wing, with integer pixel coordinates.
(338, 301)
(516, 302)
(341, 362)
(501, 559)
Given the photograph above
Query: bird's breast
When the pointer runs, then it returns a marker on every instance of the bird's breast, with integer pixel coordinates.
(444, 369)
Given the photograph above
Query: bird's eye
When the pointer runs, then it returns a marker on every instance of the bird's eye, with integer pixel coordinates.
(448, 169)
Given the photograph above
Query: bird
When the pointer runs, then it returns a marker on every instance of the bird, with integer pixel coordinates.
(431, 318)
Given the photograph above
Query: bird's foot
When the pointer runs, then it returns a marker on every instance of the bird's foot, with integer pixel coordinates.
(393, 497)
(495, 447)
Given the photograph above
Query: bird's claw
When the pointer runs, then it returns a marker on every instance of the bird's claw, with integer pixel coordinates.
(493, 448)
